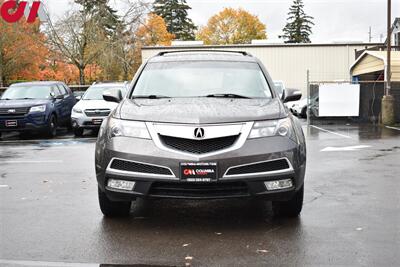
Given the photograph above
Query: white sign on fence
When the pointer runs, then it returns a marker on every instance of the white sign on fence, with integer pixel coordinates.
(339, 100)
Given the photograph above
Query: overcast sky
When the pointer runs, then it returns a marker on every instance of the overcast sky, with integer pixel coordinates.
(335, 20)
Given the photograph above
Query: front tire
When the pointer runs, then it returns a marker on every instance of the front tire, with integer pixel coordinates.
(303, 113)
(113, 208)
(290, 208)
(78, 132)
(52, 127)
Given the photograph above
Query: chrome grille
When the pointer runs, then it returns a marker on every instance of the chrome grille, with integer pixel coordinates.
(14, 111)
(97, 112)
(198, 146)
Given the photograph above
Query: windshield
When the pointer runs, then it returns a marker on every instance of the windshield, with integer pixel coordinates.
(96, 92)
(202, 78)
(27, 92)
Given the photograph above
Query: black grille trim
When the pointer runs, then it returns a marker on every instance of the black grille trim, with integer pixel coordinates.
(198, 146)
(199, 190)
(131, 166)
(99, 113)
(267, 166)
(18, 111)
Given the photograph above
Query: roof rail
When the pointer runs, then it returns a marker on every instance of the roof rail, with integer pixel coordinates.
(244, 53)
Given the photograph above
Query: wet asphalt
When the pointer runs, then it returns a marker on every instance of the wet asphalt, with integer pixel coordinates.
(49, 215)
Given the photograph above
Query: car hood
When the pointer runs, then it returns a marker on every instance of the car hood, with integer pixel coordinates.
(22, 103)
(200, 110)
(96, 104)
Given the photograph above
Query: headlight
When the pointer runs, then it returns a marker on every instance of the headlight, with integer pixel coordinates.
(137, 129)
(77, 110)
(271, 128)
(41, 108)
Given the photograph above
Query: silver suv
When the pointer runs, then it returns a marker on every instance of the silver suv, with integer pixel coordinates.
(201, 125)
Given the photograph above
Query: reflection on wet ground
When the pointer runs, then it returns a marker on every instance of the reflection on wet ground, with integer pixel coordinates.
(49, 214)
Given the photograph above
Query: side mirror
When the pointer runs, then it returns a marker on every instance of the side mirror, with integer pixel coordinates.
(78, 97)
(291, 95)
(112, 95)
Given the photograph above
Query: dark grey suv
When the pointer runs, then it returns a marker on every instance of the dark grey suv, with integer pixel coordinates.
(201, 125)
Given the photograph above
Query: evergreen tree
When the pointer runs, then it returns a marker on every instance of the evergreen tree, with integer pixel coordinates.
(105, 16)
(175, 15)
(298, 27)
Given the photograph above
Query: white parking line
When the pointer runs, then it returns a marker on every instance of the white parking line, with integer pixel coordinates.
(393, 128)
(45, 263)
(47, 140)
(30, 161)
(324, 130)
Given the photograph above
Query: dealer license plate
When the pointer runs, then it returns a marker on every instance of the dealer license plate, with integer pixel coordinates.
(198, 172)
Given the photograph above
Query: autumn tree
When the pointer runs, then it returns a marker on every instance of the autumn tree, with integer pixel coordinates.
(23, 52)
(79, 38)
(154, 32)
(175, 15)
(232, 26)
(298, 28)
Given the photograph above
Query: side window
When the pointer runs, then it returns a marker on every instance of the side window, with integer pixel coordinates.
(69, 91)
(55, 91)
(62, 90)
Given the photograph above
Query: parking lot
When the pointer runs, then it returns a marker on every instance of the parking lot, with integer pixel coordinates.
(50, 214)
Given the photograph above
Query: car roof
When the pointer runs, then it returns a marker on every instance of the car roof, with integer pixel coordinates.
(48, 83)
(202, 55)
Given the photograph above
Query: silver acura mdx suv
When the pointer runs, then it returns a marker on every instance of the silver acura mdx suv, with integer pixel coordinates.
(201, 125)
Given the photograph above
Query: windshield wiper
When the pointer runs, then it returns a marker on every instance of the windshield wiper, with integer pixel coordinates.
(228, 96)
(149, 96)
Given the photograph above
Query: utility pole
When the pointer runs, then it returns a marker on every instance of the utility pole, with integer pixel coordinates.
(388, 101)
(369, 35)
(389, 47)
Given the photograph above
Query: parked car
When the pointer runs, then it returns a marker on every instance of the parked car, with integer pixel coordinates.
(299, 108)
(201, 125)
(90, 111)
(36, 107)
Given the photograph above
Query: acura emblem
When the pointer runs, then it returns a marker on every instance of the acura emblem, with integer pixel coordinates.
(11, 111)
(199, 133)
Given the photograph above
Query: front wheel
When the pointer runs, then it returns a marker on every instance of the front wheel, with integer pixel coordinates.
(303, 112)
(78, 132)
(290, 208)
(113, 208)
(52, 127)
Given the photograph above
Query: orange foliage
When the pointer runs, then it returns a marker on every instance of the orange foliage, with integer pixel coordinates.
(154, 32)
(232, 26)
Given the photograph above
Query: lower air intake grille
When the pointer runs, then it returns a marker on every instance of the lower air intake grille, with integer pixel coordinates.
(199, 190)
(198, 146)
(130, 166)
(269, 166)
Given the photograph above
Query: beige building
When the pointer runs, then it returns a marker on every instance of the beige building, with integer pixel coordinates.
(290, 62)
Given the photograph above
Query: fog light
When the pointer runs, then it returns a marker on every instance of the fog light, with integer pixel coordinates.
(121, 184)
(279, 184)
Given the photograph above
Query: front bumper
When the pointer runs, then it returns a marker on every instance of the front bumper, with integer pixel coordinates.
(227, 186)
(28, 122)
(80, 120)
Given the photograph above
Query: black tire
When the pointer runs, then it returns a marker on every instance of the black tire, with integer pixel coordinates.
(78, 132)
(290, 208)
(69, 125)
(52, 127)
(303, 113)
(113, 208)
